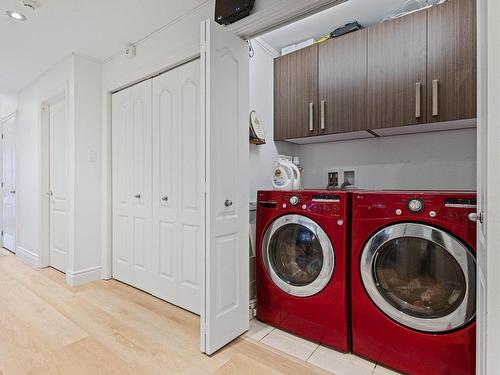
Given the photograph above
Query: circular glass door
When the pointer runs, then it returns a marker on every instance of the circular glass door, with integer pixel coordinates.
(298, 255)
(420, 276)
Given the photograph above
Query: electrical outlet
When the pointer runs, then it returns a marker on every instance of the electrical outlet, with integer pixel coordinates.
(349, 177)
(333, 179)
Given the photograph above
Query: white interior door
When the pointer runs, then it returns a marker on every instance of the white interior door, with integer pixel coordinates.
(58, 176)
(9, 184)
(226, 102)
(178, 182)
(132, 186)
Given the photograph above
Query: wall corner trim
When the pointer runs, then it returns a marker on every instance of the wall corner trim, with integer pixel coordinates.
(77, 278)
(27, 256)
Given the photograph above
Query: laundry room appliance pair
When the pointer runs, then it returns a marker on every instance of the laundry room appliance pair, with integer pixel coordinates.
(387, 275)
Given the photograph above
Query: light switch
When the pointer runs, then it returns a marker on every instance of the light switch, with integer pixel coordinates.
(92, 155)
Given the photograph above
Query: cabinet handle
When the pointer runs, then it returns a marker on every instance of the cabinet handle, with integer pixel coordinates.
(311, 117)
(323, 104)
(418, 98)
(435, 94)
(137, 196)
(164, 198)
(228, 203)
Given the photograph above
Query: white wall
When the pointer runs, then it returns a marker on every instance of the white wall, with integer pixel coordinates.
(440, 160)
(88, 171)
(8, 104)
(263, 157)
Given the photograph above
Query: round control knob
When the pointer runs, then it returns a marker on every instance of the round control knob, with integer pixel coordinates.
(398, 212)
(415, 205)
(432, 214)
(294, 200)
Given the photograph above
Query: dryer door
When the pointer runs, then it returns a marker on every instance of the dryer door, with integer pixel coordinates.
(298, 255)
(420, 276)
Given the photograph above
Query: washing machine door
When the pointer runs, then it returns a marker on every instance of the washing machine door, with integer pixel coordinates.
(420, 276)
(298, 255)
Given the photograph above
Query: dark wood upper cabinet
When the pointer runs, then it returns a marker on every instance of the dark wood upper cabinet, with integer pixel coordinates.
(397, 62)
(343, 83)
(452, 61)
(296, 94)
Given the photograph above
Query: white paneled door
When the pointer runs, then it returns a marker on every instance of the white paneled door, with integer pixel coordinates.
(58, 176)
(226, 79)
(9, 184)
(178, 186)
(132, 186)
(158, 186)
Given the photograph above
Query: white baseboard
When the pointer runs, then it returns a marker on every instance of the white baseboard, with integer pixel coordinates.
(27, 256)
(76, 278)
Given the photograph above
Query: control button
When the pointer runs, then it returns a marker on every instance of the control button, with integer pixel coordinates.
(304, 206)
(432, 214)
(294, 200)
(415, 205)
(284, 205)
(399, 212)
(340, 222)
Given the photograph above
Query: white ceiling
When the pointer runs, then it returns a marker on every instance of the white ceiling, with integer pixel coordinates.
(93, 28)
(366, 12)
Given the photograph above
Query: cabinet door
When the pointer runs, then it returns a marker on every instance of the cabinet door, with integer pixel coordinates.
(452, 59)
(397, 62)
(342, 84)
(296, 94)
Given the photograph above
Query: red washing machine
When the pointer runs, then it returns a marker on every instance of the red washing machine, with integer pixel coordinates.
(413, 298)
(302, 265)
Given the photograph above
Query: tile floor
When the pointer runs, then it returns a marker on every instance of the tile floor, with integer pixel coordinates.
(320, 356)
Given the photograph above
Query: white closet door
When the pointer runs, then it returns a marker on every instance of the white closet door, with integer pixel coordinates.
(226, 80)
(59, 205)
(178, 180)
(133, 261)
(9, 184)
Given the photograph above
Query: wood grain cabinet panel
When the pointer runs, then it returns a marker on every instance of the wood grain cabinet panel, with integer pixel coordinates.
(343, 84)
(397, 59)
(296, 94)
(452, 61)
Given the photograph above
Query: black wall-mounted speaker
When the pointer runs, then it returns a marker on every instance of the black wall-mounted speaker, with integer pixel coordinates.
(230, 11)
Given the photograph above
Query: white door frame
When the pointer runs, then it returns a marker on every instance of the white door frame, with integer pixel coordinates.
(4, 120)
(44, 157)
(489, 179)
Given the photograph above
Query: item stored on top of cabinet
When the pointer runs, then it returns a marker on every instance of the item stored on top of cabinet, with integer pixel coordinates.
(286, 175)
(230, 11)
(301, 269)
(348, 28)
(413, 280)
(400, 76)
(257, 136)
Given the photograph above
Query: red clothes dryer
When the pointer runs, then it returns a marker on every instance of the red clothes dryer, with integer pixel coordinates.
(414, 280)
(301, 271)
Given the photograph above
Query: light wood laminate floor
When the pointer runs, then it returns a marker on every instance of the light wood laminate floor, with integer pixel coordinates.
(107, 327)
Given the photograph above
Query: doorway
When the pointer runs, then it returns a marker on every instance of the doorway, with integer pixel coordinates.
(56, 176)
(9, 184)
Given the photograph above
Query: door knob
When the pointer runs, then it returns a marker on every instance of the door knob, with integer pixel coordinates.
(137, 196)
(228, 203)
(12, 192)
(164, 198)
(49, 193)
(476, 217)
